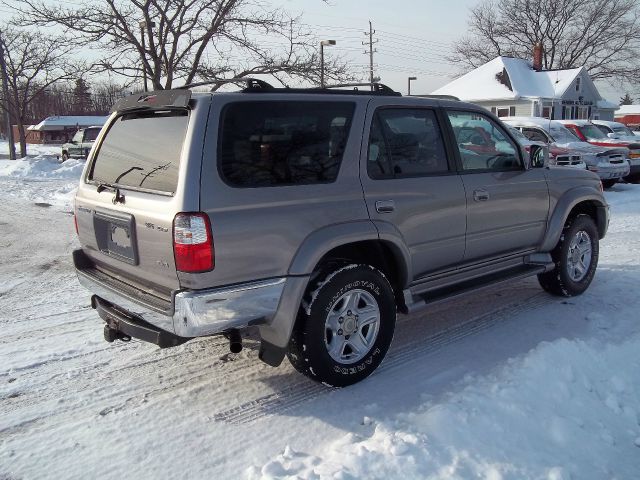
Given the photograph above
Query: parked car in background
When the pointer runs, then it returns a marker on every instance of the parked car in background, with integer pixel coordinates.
(616, 130)
(80, 144)
(558, 156)
(589, 132)
(610, 163)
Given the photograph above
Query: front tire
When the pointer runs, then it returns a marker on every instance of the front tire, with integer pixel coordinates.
(65, 157)
(609, 183)
(575, 257)
(344, 331)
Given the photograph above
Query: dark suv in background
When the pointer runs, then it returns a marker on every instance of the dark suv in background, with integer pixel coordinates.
(315, 216)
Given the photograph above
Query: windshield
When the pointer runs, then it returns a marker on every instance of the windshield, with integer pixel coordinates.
(142, 150)
(518, 134)
(591, 132)
(623, 130)
(561, 134)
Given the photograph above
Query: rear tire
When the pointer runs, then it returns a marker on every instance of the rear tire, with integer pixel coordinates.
(575, 257)
(345, 327)
(609, 183)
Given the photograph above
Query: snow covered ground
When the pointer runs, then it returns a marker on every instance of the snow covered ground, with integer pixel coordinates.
(510, 383)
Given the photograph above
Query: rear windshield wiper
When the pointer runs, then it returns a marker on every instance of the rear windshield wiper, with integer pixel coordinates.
(119, 198)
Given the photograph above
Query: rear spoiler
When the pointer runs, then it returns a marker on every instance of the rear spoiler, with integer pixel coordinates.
(155, 99)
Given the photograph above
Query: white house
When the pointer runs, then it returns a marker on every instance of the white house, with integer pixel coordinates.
(513, 87)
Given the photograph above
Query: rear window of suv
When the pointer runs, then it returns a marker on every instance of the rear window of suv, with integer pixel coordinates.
(273, 143)
(141, 150)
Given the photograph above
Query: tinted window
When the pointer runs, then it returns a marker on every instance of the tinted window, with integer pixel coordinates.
(90, 134)
(482, 143)
(283, 143)
(535, 135)
(405, 143)
(142, 150)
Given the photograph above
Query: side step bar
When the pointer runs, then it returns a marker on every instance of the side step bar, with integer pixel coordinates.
(417, 302)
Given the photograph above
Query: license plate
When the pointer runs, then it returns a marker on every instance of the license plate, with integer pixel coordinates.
(115, 236)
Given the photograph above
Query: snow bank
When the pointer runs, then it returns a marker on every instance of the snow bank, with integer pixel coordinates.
(41, 167)
(566, 410)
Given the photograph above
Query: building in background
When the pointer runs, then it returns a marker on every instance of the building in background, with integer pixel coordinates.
(516, 87)
(629, 115)
(59, 129)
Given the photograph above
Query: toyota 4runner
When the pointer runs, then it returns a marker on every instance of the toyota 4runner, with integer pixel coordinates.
(317, 215)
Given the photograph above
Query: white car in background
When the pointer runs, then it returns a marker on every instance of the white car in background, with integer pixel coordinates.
(610, 163)
(558, 156)
(616, 130)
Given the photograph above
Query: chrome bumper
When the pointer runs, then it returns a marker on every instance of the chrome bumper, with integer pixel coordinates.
(198, 313)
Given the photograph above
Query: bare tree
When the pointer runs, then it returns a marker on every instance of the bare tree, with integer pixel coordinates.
(183, 41)
(35, 62)
(602, 35)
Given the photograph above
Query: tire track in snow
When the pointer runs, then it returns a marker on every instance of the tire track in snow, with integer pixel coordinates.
(398, 357)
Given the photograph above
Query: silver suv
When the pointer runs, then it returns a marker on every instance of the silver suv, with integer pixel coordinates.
(316, 215)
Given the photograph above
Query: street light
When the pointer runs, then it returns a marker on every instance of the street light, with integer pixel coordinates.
(324, 43)
(409, 85)
(143, 25)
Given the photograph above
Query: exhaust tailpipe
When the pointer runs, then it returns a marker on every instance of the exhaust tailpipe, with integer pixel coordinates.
(235, 340)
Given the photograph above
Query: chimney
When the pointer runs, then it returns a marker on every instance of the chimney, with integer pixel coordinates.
(537, 57)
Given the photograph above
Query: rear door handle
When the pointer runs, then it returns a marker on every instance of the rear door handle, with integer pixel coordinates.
(385, 206)
(480, 195)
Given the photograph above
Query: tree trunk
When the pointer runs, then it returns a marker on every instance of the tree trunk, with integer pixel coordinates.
(22, 135)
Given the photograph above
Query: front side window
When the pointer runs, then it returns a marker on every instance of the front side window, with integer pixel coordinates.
(562, 134)
(274, 143)
(482, 143)
(535, 135)
(405, 143)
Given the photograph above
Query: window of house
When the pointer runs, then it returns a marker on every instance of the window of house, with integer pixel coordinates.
(582, 113)
(275, 143)
(482, 143)
(405, 143)
(578, 83)
(547, 110)
(504, 111)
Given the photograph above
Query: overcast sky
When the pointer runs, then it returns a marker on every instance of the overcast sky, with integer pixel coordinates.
(414, 37)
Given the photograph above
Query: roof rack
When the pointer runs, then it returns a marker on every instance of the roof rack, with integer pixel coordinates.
(250, 83)
(255, 85)
(376, 88)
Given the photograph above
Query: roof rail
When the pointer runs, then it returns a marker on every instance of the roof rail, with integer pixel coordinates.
(439, 97)
(378, 88)
(250, 83)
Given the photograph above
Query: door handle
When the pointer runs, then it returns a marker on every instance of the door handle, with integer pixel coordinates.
(385, 206)
(480, 195)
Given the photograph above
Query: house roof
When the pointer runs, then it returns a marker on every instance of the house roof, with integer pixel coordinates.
(62, 122)
(482, 83)
(628, 110)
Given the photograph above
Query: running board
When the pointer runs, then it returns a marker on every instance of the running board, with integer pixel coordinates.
(419, 301)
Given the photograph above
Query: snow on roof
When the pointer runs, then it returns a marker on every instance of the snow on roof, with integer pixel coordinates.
(481, 84)
(628, 110)
(60, 122)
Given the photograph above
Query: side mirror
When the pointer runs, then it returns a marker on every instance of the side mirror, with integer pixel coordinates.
(538, 156)
(612, 135)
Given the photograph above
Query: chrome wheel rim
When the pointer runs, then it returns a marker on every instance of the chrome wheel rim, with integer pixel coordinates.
(580, 256)
(352, 326)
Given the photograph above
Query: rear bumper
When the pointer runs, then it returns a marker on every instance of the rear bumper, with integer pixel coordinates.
(191, 313)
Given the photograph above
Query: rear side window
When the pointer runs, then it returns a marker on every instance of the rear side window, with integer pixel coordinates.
(405, 143)
(142, 150)
(265, 144)
(90, 134)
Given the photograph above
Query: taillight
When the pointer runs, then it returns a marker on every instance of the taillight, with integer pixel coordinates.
(193, 243)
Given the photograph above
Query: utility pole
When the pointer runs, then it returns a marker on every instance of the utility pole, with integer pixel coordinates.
(371, 50)
(5, 98)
